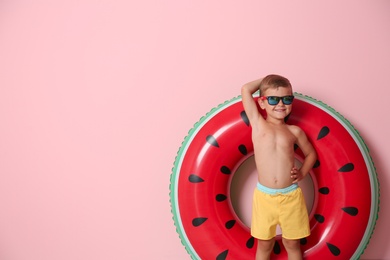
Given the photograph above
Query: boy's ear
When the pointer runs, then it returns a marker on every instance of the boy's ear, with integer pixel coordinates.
(261, 103)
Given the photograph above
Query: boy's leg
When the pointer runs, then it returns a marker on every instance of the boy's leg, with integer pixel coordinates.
(264, 249)
(293, 248)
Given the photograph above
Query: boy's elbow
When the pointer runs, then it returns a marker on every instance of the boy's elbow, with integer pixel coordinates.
(244, 88)
(244, 91)
(247, 89)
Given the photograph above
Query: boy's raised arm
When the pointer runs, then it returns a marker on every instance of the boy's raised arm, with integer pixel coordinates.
(248, 102)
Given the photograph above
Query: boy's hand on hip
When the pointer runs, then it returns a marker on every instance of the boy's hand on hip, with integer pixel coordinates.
(296, 175)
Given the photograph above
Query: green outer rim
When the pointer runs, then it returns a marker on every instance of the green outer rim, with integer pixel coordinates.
(374, 184)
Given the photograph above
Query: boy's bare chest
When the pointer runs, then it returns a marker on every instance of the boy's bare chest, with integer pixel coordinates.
(280, 136)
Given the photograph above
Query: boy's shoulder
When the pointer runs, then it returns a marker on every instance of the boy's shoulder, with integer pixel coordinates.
(294, 129)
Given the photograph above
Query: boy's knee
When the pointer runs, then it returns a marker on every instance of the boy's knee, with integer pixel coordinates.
(265, 245)
(290, 244)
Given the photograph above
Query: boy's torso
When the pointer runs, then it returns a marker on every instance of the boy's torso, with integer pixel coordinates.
(274, 154)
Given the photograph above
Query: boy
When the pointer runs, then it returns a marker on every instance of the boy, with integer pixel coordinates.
(277, 200)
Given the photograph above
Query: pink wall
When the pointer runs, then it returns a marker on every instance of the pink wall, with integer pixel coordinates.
(97, 96)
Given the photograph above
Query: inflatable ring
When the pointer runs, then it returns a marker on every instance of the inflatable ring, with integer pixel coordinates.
(346, 188)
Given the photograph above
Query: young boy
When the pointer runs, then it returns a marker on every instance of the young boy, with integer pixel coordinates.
(277, 200)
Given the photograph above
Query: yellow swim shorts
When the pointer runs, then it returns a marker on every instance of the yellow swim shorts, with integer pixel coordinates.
(284, 207)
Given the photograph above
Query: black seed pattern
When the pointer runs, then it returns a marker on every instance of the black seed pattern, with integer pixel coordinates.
(242, 149)
(195, 178)
(250, 243)
(211, 140)
(303, 241)
(316, 164)
(223, 255)
(220, 197)
(319, 218)
(324, 190)
(225, 170)
(351, 211)
(333, 249)
(230, 224)
(244, 118)
(323, 132)
(347, 168)
(196, 222)
(277, 249)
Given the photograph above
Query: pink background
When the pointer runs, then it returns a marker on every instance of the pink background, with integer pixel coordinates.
(97, 96)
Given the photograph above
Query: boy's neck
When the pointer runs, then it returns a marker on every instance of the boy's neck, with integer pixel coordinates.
(274, 121)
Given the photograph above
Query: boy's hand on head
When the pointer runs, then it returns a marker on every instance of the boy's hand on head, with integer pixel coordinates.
(296, 175)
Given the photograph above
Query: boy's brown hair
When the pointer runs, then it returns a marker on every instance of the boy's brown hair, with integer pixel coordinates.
(274, 81)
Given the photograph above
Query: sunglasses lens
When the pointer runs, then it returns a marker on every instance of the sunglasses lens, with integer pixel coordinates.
(288, 100)
(273, 100)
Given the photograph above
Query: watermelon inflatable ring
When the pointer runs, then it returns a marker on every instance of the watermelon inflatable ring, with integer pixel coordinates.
(346, 189)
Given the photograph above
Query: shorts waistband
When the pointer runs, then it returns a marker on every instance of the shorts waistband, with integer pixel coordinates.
(277, 191)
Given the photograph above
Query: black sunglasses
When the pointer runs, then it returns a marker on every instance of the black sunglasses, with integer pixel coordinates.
(274, 100)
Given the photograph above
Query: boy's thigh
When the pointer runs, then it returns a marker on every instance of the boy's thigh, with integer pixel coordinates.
(264, 216)
(294, 219)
